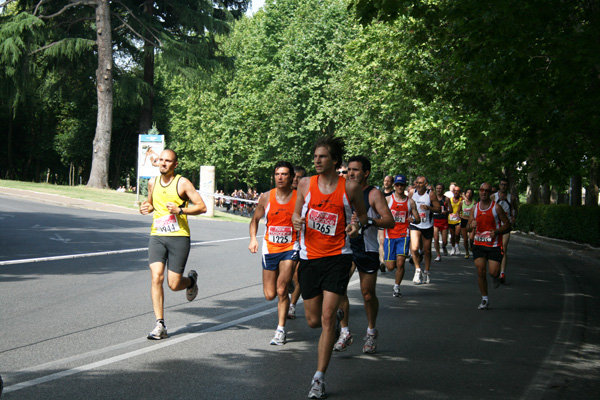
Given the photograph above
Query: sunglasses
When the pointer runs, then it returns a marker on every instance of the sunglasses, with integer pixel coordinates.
(342, 172)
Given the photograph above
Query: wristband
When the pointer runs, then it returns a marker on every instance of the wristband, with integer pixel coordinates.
(180, 211)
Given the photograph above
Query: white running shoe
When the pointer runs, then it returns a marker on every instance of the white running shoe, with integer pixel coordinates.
(191, 293)
(279, 339)
(426, 278)
(343, 341)
(370, 343)
(292, 312)
(397, 292)
(457, 252)
(159, 332)
(438, 259)
(484, 304)
(417, 278)
(452, 251)
(317, 391)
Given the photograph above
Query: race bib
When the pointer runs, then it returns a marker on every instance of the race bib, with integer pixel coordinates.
(322, 221)
(280, 234)
(166, 224)
(466, 213)
(454, 217)
(483, 237)
(423, 216)
(399, 216)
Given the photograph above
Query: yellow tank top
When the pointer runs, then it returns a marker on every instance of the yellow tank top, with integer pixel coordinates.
(163, 222)
(453, 217)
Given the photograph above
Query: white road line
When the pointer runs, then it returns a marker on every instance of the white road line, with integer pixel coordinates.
(131, 354)
(103, 253)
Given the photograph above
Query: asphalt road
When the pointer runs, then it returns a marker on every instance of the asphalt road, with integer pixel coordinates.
(75, 308)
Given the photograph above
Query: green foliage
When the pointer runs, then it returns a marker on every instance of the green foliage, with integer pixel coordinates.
(578, 224)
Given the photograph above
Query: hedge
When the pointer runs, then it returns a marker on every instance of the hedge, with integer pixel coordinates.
(577, 224)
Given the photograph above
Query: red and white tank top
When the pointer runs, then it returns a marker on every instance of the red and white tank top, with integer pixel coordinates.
(324, 233)
(280, 235)
(487, 221)
(400, 211)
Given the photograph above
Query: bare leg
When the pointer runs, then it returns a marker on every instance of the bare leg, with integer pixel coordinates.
(368, 283)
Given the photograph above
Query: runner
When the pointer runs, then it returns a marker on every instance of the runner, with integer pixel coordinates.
(365, 254)
(454, 220)
(440, 222)
(169, 196)
(427, 203)
(489, 222)
(397, 239)
(279, 242)
(504, 198)
(323, 212)
(387, 189)
(465, 213)
(299, 173)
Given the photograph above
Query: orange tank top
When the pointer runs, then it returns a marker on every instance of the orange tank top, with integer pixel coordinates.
(487, 221)
(400, 211)
(280, 235)
(324, 233)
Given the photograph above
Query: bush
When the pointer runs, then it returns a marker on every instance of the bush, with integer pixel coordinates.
(577, 224)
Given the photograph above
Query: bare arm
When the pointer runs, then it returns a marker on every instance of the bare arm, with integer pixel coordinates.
(356, 198)
(297, 219)
(187, 189)
(435, 204)
(414, 212)
(506, 227)
(258, 214)
(380, 206)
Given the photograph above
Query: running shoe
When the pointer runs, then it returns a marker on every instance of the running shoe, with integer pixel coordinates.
(484, 304)
(370, 343)
(496, 282)
(317, 391)
(502, 278)
(467, 254)
(438, 259)
(339, 316)
(426, 278)
(397, 292)
(452, 251)
(417, 277)
(292, 312)
(192, 292)
(279, 339)
(159, 332)
(457, 252)
(445, 251)
(382, 267)
(344, 341)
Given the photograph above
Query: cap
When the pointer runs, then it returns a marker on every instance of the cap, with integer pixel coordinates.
(400, 179)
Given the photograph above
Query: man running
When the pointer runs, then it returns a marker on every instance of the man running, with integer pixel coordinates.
(397, 239)
(299, 173)
(387, 189)
(427, 203)
(489, 222)
(279, 242)
(365, 254)
(503, 197)
(440, 222)
(323, 212)
(454, 220)
(169, 196)
(465, 212)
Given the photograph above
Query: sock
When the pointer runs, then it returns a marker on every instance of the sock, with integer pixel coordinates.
(418, 270)
(345, 329)
(162, 322)
(484, 298)
(280, 328)
(319, 375)
(371, 331)
(396, 286)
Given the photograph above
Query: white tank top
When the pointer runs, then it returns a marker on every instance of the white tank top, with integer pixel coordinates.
(426, 215)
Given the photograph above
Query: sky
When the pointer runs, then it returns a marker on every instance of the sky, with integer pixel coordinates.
(256, 4)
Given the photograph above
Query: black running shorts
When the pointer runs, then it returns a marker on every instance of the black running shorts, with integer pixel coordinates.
(329, 274)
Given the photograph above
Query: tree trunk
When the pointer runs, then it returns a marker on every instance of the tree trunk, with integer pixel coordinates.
(101, 145)
(591, 191)
(575, 198)
(546, 194)
(9, 139)
(533, 190)
(146, 113)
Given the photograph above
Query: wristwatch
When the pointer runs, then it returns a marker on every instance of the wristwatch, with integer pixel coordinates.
(180, 211)
(370, 221)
